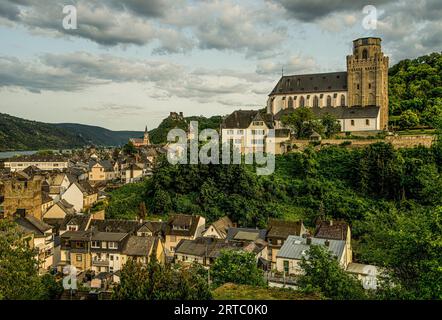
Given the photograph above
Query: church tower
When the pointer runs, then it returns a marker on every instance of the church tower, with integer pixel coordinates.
(146, 140)
(367, 77)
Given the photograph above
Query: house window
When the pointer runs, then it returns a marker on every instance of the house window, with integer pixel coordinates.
(113, 245)
(352, 122)
(238, 141)
(229, 131)
(240, 131)
(367, 122)
(357, 86)
(342, 100)
(258, 123)
(369, 86)
(111, 257)
(104, 244)
(286, 266)
(172, 249)
(95, 244)
(72, 228)
(79, 258)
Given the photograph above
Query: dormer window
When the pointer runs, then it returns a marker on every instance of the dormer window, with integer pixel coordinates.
(73, 227)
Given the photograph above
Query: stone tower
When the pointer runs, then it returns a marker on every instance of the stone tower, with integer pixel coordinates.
(23, 196)
(367, 77)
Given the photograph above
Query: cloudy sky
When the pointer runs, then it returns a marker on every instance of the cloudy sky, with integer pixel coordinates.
(130, 62)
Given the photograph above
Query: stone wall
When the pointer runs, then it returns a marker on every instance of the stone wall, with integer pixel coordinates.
(396, 141)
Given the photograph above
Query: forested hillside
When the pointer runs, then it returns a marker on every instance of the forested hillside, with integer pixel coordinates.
(21, 134)
(416, 86)
(392, 198)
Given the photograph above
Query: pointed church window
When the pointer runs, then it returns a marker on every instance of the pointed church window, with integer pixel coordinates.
(365, 54)
(329, 101)
(302, 102)
(315, 102)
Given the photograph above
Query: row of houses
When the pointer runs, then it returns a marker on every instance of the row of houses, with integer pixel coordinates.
(96, 166)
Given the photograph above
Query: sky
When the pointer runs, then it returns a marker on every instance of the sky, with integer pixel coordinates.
(129, 63)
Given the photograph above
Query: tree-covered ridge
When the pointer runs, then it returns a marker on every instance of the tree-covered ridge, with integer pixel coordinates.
(21, 134)
(416, 85)
(159, 134)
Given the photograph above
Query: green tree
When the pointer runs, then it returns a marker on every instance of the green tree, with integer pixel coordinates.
(330, 124)
(303, 122)
(408, 119)
(322, 274)
(156, 282)
(407, 244)
(19, 278)
(238, 267)
(129, 148)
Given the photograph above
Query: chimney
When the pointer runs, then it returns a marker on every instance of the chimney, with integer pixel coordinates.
(327, 243)
(309, 240)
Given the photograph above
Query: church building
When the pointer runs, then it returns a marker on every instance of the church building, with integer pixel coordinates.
(141, 142)
(358, 98)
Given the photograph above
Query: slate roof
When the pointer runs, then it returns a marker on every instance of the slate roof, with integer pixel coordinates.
(73, 219)
(222, 225)
(211, 247)
(201, 247)
(246, 234)
(332, 230)
(85, 187)
(138, 246)
(241, 119)
(296, 247)
(282, 229)
(188, 223)
(115, 225)
(307, 83)
(108, 236)
(338, 112)
(30, 224)
(90, 235)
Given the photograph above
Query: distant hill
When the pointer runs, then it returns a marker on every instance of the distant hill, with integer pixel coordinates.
(21, 134)
(98, 135)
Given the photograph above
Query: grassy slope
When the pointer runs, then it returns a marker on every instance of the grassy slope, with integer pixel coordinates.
(230, 291)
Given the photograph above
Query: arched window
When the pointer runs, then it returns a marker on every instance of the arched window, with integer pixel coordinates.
(290, 103)
(342, 100)
(302, 102)
(329, 101)
(315, 102)
(365, 54)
